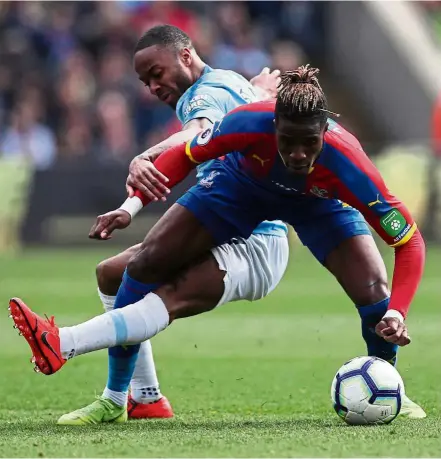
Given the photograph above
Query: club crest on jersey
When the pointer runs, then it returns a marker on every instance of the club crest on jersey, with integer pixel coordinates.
(207, 182)
(204, 137)
(319, 192)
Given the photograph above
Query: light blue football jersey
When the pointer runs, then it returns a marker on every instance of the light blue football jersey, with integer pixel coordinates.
(216, 93)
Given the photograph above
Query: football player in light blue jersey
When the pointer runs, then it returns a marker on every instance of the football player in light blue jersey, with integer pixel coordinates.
(169, 66)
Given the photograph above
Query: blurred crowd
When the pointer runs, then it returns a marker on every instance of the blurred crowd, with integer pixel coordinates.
(68, 92)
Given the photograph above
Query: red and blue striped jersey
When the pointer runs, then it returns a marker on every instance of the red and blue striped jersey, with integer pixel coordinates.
(342, 171)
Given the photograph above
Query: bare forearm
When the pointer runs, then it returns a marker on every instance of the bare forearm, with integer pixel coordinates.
(175, 139)
(189, 131)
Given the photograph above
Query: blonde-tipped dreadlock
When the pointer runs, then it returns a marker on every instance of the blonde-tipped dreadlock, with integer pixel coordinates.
(300, 94)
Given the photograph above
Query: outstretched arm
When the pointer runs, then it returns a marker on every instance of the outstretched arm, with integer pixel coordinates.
(145, 177)
(176, 163)
(365, 190)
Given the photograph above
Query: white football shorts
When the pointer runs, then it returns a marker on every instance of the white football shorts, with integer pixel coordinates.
(253, 266)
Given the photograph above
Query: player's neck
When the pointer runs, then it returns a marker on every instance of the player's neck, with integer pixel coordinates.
(198, 67)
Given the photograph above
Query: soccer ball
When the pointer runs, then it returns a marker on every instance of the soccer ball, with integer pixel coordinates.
(367, 390)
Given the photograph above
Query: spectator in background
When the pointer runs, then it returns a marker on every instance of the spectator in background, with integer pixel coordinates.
(238, 49)
(60, 33)
(242, 55)
(302, 22)
(76, 137)
(287, 55)
(152, 13)
(27, 138)
(65, 58)
(76, 82)
(116, 142)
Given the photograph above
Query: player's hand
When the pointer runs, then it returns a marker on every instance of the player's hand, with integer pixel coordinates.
(267, 82)
(107, 223)
(144, 177)
(393, 331)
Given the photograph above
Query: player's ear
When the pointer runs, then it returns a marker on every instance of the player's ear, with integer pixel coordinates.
(186, 57)
(326, 127)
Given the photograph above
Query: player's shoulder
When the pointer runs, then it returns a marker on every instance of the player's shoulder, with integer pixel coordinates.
(256, 117)
(263, 109)
(212, 85)
(342, 140)
(221, 77)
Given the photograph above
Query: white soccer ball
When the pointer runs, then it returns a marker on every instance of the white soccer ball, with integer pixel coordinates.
(367, 390)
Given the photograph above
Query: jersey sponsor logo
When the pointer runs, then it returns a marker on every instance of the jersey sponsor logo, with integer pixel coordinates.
(207, 182)
(261, 160)
(393, 222)
(204, 137)
(196, 102)
(373, 203)
(403, 233)
(319, 192)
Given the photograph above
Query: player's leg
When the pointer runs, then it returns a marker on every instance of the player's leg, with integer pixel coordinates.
(341, 240)
(144, 386)
(220, 211)
(245, 269)
(360, 270)
(177, 232)
(250, 269)
(203, 216)
(197, 290)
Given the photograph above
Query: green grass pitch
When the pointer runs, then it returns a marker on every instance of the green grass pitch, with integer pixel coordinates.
(248, 380)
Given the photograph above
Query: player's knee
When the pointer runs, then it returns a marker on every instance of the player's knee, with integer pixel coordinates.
(108, 277)
(370, 292)
(150, 264)
(180, 305)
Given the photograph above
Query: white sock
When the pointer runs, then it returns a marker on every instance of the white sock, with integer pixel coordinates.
(144, 384)
(132, 324)
(107, 300)
(119, 398)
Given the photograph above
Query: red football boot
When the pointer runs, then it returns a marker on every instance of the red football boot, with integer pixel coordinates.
(158, 409)
(41, 335)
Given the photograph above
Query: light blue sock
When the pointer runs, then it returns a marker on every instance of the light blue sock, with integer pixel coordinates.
(376, 346)
(122, 359)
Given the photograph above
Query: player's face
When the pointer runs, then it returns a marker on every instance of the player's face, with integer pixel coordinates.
(164, 72)
(299, 143)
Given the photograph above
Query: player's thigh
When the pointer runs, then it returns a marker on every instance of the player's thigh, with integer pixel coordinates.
(244, 269)
(177, 239)
(109, 272)
(339, 237)
(197, 289)
(253, 266)
(360, 270)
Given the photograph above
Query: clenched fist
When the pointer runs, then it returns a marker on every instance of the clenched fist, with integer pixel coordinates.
(393, 331)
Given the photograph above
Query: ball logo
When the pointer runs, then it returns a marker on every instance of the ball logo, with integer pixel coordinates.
(205, 137)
